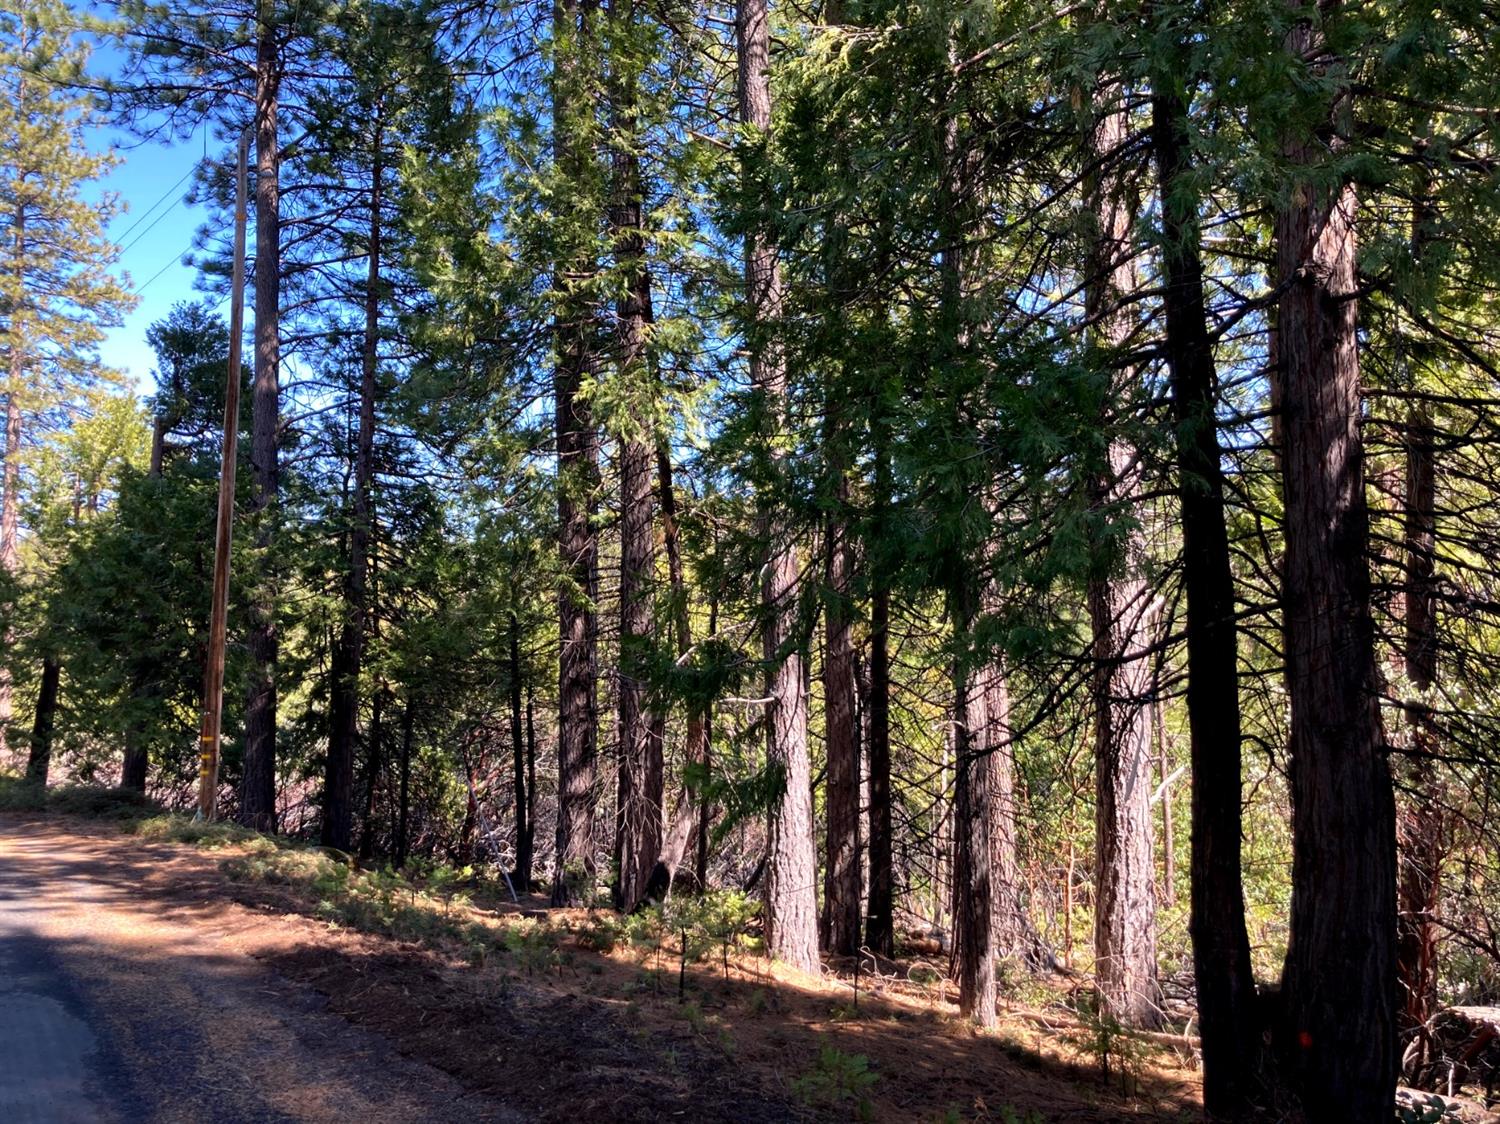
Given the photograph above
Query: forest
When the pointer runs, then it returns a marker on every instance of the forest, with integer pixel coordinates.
(1006, 480)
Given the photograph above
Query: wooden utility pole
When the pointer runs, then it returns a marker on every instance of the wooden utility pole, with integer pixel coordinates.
(213, 672)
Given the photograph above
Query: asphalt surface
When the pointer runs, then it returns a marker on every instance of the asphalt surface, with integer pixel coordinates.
(121, 1004)
(52, 1064)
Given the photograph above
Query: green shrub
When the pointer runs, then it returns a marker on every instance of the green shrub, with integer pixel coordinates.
(838, 1081)
(120, 805)
(18, 795)
(1118, 1050)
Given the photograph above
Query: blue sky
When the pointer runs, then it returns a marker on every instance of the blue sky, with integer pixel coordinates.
(154, 239)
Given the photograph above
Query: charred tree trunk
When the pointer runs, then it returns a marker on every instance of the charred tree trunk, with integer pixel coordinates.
(258, 781)
(577, 478)
(791, 891)
(1227, 1013)
(1120, 614)
(1339, 985)
(338, 782)
(45, 721)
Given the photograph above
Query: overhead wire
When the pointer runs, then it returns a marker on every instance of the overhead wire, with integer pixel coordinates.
(165, 195)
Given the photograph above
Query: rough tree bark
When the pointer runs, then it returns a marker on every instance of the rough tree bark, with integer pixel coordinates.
(403, 797)
(638, 841)
(374, 765)
(690, 812)
(1422, 819)
(348, 658)
(1422, 827)
(1229, 1024)
(1339, 984)
(1016, 936)
(791, 891)
(841, 879)
(258, 781)
(1120, 613)
(577, 481)
(524, 828)
(39, 760)
(973, 799)
(10, 476)
(880, 928)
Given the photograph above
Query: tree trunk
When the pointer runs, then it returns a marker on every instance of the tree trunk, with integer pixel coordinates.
(973, 799)
(1120, 614)
(403, 803)
(10, 502)
(1168, 809)
(841, 880)
(530, 837)
(690, 811)
(577, 480)
(374, 765)
(1339, 985)
(1422, 820)
(791, 892)
(258, 781)
(1227, 1014)
(639, 841)
(338, 783)
(705, 809)
(522, 876)
(880, 911)
(136, 762)
(1016, 935)
(40, 758)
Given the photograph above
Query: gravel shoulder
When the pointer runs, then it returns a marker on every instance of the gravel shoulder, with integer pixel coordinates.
(133, 991)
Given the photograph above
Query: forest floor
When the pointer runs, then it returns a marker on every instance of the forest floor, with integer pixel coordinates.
(216, 993)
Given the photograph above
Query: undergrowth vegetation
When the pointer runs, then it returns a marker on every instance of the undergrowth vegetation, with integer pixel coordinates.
(118, 805)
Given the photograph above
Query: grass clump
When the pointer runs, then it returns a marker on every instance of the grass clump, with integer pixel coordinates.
(374, 901)
(176, 828)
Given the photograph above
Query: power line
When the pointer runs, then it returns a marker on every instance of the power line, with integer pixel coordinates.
(127, 232)
(176, 260)
(126, 248)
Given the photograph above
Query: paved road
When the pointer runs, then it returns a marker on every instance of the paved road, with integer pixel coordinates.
(123, 1002)
(52, 1064)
